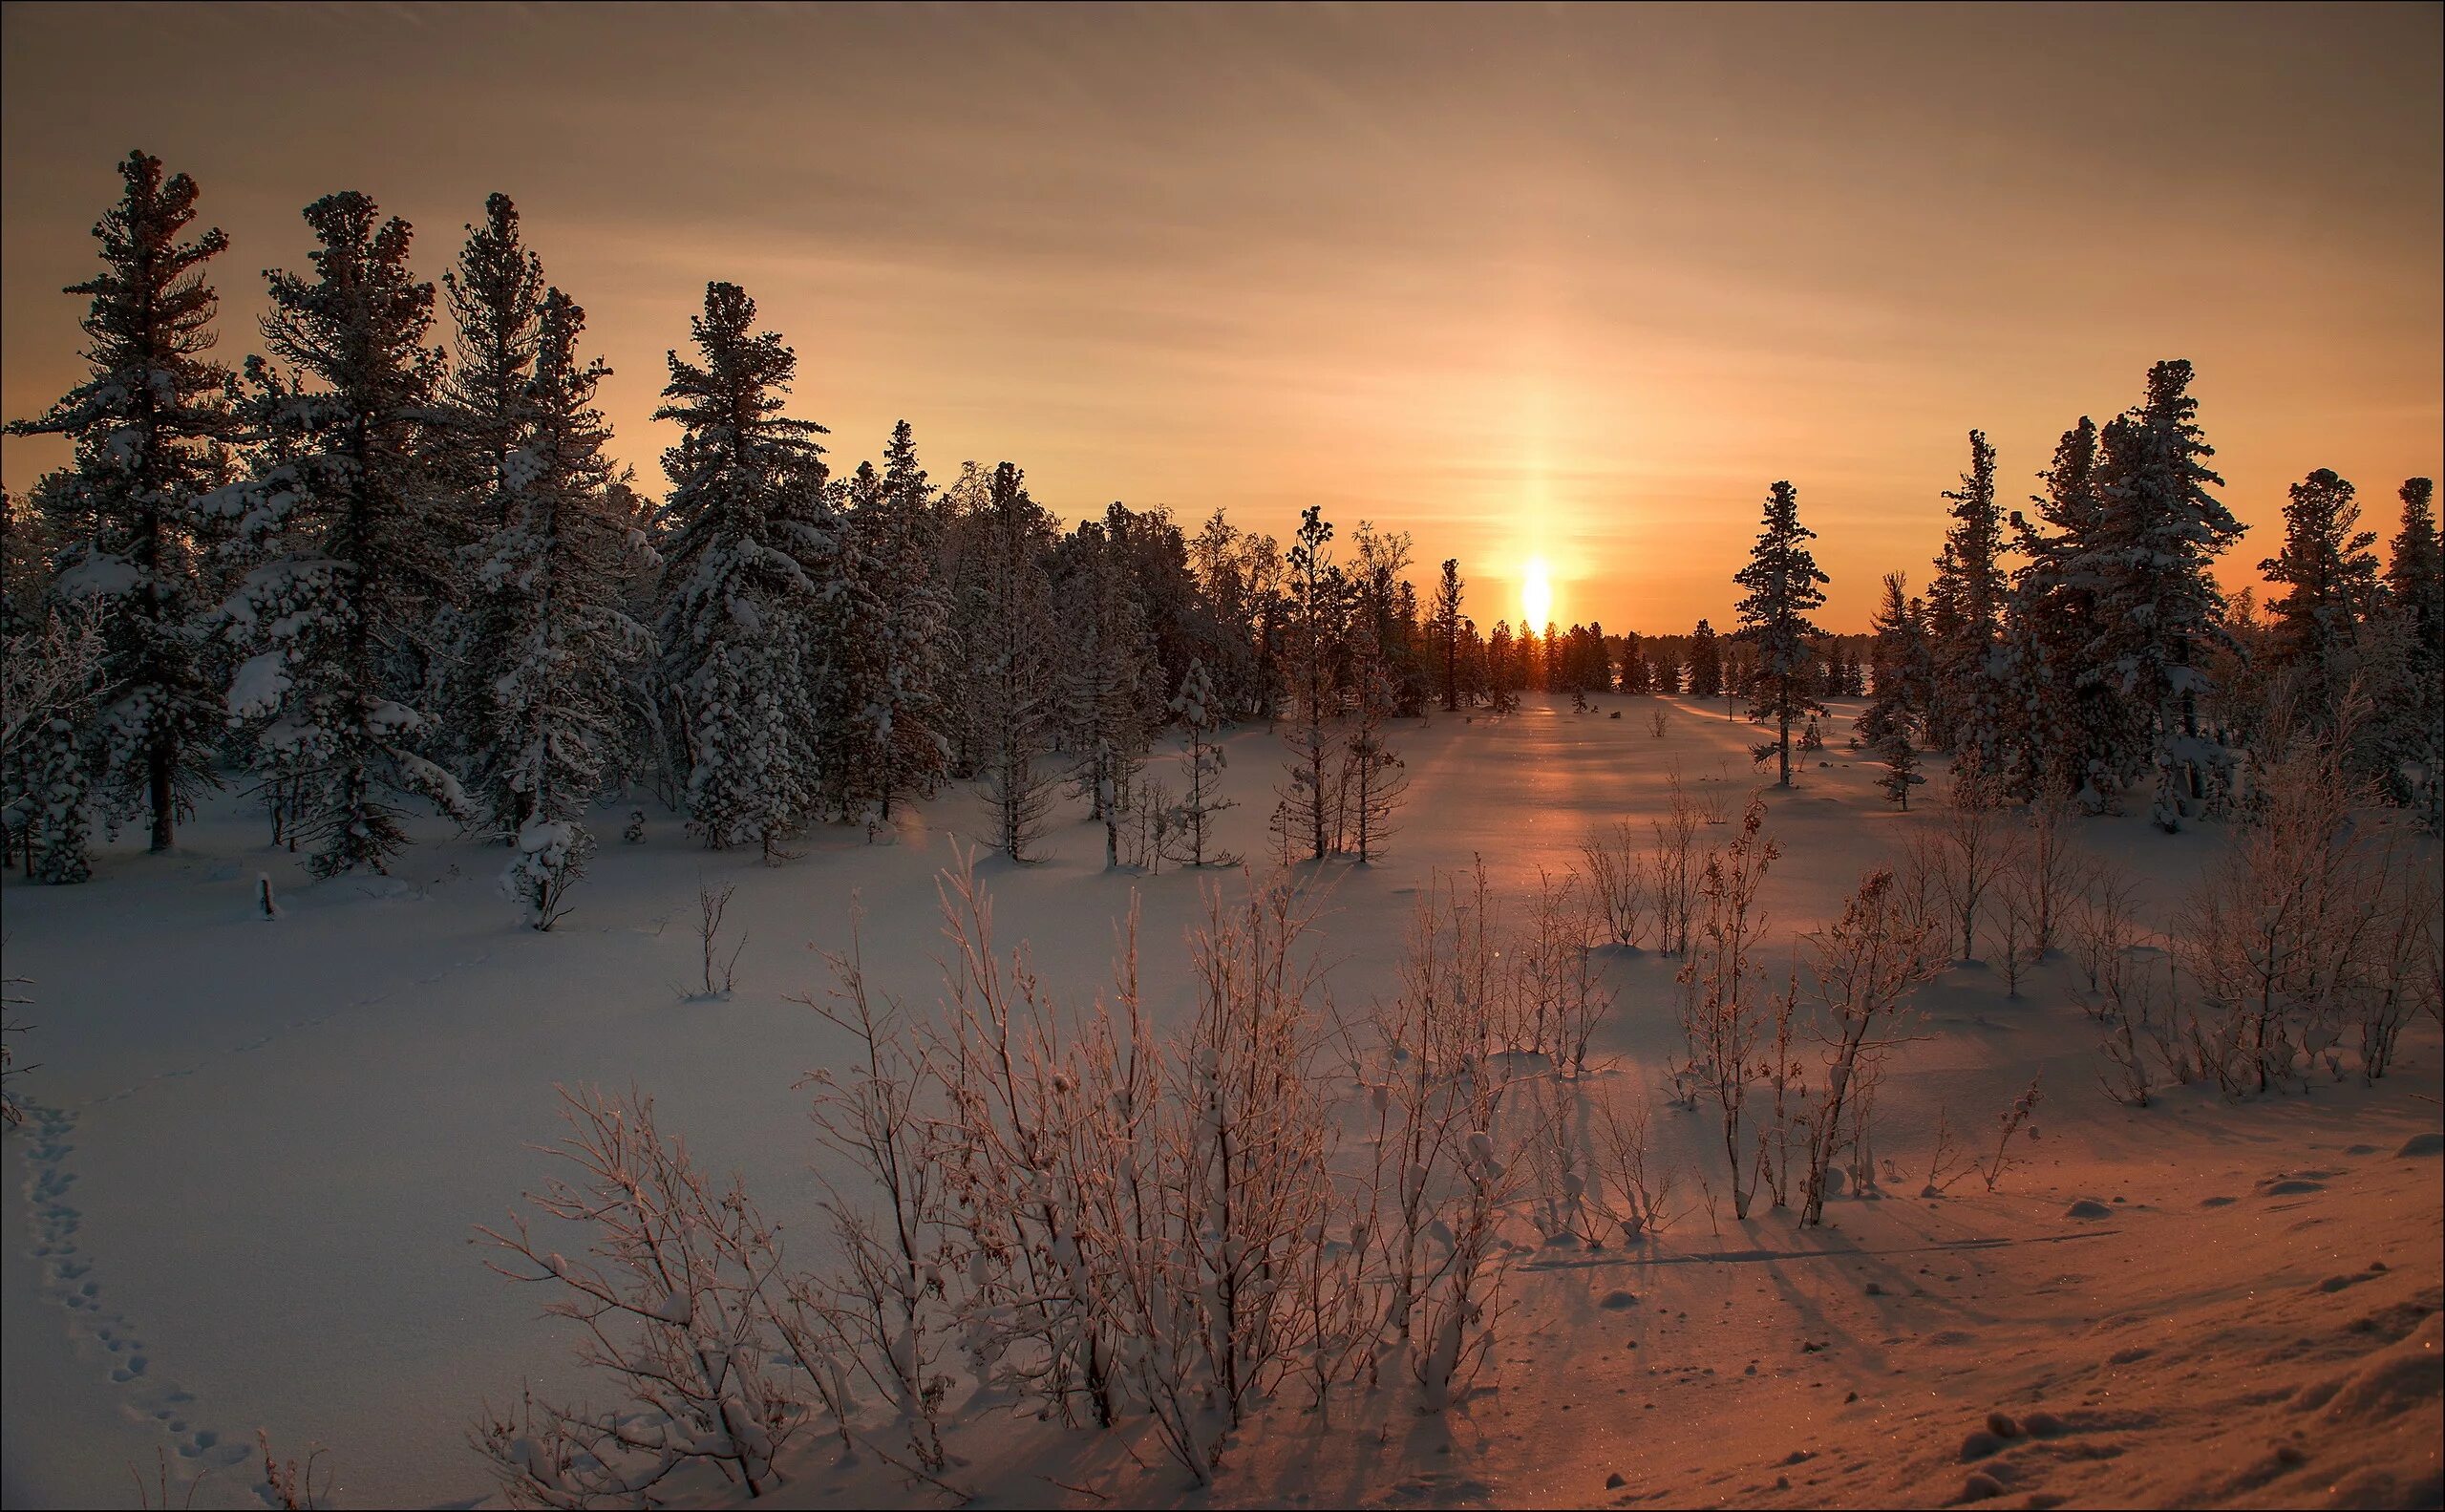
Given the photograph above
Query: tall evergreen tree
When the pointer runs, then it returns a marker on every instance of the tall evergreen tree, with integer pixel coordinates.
(1316, 604)
(2415, 594)
(1110, 680)
(1445, 626)
(899, 540)
(1191, 825)
(494, 296)
(1010, 655)
(144, 424)
(2158, 612)
(1900, 631)
(2329, 574)
(737, 641)
(1966, 606)
(341, 515)
(1706, 663)
(1784, 584)
(554, 587)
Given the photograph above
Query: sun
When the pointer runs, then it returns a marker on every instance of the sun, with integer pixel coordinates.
(1536, 595)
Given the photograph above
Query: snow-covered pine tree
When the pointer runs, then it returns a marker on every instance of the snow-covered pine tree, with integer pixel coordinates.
(1316, 613)
(1900, 755)
(896, 532)
(144, 424)
(1706, 663)
(1784, 584)
(1374, 779)
(1502, 669)
(1107, 680)
(553, 587)
(1201, 762)
(736, 598)
(1007, 633)
(340, 518)
(2416, 599)
(2329, 574)
(2077, 734)
(2157, 609)
(848, 692)
(494, 296)
(1444, 626)
(1966, 613)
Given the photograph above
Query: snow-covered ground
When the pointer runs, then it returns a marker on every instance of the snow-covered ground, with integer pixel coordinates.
(256, 1149)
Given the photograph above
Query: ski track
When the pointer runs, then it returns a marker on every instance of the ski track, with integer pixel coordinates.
(68, 1279)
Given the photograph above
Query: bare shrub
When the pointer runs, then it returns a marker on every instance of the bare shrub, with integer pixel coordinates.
(1866, 965)
(1634, 1189)
(1722, 1013)
(720, 970)
(2280, 936)
(1658, 722)
(1617, 884)
(670, 1295)
(1672, 870)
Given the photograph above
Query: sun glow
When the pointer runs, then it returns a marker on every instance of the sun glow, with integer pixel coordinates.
(1536, 595)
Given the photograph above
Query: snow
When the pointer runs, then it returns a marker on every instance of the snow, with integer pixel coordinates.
(258, 1147)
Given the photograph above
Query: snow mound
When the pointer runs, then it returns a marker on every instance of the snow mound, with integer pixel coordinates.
(2088, 1207)
(2418, 1144)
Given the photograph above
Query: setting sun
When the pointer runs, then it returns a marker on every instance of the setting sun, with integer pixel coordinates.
(1536, 595)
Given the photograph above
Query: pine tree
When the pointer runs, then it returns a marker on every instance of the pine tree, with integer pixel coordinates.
(1706, 663)
(494, 296)
(144, 424)
(897, 535)
(1108, 681)
(1783, 584)
(553, 589)
(1374, 779)
(1966, 619)
(342, 515)
(736, 633)
(2416, 596)
(1312, 653)
(2077, 732)
(2158, 610)
(1445, 626)
(1901, 758)
(1201, 762)
(2329, 572)
(1009, 633)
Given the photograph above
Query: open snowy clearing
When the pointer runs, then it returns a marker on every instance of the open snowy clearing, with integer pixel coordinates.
(256, 1149)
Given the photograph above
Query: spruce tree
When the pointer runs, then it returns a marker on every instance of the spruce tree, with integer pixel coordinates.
(737, 644)
(1191, 825)
(144, 424)
(554, 591)
(1445, 626)
(341, 515)
(1706, 663)
(1899, 755)
(1009, 633)
(1316, 609)
(1784, 584)
(1374, 780)
(494, 296)
(2329, 574)
(2415, 595)
(2158, 611)
(1966, 613)
(897, 533)
(1109, 679)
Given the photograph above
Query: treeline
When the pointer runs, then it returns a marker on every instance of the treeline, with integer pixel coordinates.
(389, 556)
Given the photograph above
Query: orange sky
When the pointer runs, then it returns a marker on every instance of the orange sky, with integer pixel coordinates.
(1568, 282)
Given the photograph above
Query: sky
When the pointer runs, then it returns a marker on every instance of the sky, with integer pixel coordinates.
(1568, 284)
